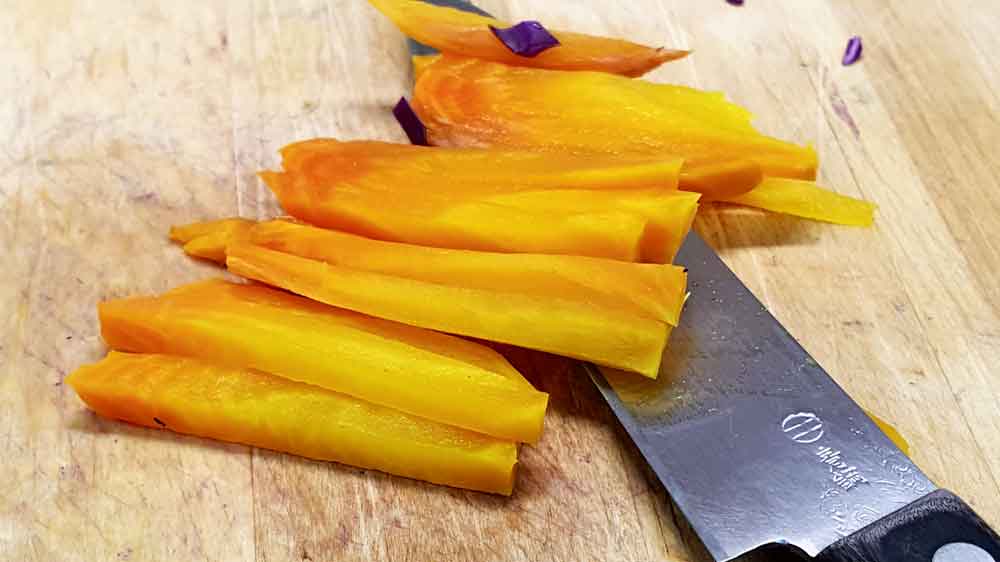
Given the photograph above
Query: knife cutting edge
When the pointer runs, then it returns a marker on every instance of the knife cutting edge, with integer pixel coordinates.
(758, 446)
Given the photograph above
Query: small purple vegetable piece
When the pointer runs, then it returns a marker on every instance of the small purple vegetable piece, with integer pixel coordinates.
(853, 52)
(735, 2)
(410, 122)
(526, 39)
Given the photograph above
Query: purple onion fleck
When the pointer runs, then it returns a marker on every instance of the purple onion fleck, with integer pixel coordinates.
(410, 122)
(526, 39)
(853, 51)
(735, 2)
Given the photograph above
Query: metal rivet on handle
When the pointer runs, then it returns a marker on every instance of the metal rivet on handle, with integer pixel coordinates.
(962, 552)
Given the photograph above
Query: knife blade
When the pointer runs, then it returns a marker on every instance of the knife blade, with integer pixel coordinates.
(758, 446)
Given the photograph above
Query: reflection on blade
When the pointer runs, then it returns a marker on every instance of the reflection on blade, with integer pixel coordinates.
(754, 441)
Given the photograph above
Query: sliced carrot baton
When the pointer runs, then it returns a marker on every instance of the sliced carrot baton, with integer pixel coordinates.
(668, 214)
(466, 223)
(649, 290)
(423, 373)
(208, 239)
(654, 291)
(510, 201)
(420, 63)
(453, 31)
(241, 405)
(329, 164)
(628, 225)
(806, 199)
(719, 180)
(471, 102)
(558, 326)
(612, 313)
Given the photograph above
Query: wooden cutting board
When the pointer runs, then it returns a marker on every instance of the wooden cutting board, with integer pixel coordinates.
(118, 120)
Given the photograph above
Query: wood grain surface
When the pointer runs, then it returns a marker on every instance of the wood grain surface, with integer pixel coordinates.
(118, 119)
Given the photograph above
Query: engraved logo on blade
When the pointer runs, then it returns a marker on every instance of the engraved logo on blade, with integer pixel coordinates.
(803, 427)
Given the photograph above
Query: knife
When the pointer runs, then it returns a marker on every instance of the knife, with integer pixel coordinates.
(759, 447)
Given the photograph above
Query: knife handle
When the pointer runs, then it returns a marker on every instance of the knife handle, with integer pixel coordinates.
(938, 527)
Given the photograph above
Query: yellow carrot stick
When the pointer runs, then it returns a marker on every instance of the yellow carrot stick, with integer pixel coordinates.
(417, 371)
(606, 335)
(240, 405)
(450, 30)
(808, 200)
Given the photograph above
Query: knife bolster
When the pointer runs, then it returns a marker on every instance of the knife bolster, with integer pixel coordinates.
(938, 527)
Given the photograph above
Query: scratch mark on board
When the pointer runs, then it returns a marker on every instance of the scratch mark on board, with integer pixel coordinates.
(840, 108)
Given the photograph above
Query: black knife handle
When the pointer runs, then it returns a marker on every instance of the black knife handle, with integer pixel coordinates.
(939, 527)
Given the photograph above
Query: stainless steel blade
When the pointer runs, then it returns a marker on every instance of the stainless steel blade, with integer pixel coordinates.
(754, 441)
